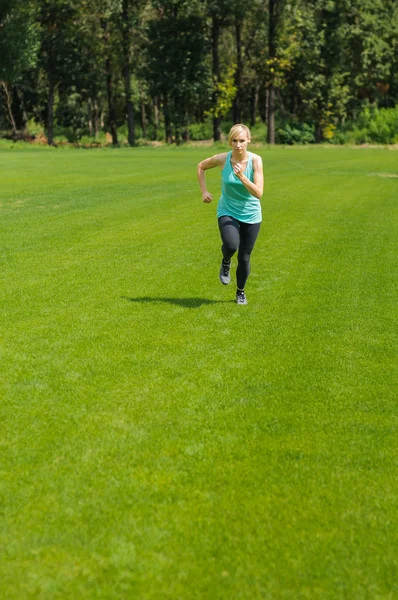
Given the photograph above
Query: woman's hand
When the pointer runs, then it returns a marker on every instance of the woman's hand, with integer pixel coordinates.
(207, 197)
(255, 187)
(239, 169)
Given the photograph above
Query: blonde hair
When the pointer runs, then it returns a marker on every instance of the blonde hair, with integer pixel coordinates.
(235, 131)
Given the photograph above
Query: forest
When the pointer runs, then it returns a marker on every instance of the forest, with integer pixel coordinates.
(130, 72)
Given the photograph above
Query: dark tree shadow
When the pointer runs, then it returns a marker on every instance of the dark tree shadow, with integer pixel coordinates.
(185, 302)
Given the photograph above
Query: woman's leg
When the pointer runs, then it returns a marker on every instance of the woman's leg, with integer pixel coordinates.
(248, 235)
(229, 230)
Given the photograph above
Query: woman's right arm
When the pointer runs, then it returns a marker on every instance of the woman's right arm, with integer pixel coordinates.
(217, 160)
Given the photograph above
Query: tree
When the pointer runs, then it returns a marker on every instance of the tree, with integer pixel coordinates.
(126, 23)
(172, 62)
(59, 50)
(370, 35)
(19, 45)
(275, 8)
(219, 14)
(175, 66)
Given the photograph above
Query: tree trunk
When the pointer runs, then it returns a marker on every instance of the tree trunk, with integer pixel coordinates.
(143, 112)
(156, 116)
(11, 118)
(215, 34)
(318, 134)
(216, 129)
(90, 117)
(143, 118)
(271, 115)
(96, 119)
(130, 113)
(185, 127)
(177, 133)
(272, 6)
(262, 103)
(24, 114)
(127, 74)
(236, 109)
(50, 113)
(111, 103)
(254, 104)
(109, 85)
(167, 124)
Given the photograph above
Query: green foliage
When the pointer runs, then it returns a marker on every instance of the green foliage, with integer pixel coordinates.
(200, 131)
(59, 52)
(19, 41)
(381, 124)
(65, 134)
(225, 93)
(372, 126)
(35, 128)
(320, 77)
(174, 52)
(259, 132)
(328, 58)
(71, 112)
(295, 132)
(87, 140)
(369, 33)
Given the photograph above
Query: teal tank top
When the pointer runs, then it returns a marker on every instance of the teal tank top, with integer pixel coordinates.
(236, 201)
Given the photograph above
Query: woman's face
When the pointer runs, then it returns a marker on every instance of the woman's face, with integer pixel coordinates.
(239, 142)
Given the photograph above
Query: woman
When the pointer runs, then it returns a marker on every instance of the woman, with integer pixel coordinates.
(239, 208)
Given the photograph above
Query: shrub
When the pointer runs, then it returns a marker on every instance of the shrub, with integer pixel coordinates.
(259, 132)
(88, 140)
(61, 139)
(200, 131)
(35, 129)
(294, 132)
(372, 125)
(64, 134)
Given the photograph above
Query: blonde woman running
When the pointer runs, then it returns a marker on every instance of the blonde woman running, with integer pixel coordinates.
(239, 208)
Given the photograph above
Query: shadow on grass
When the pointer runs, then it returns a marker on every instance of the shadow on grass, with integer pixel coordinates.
(185, 302)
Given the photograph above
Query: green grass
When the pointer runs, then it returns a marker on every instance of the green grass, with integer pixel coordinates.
(160, 442)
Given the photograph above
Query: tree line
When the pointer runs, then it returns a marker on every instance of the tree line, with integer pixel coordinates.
(170, 69)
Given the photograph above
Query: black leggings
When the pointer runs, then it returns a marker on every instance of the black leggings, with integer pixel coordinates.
(237, 235)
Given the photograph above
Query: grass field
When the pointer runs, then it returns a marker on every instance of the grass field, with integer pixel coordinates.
(158, 441)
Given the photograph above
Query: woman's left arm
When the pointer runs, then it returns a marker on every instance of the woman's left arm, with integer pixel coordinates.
(255, 187)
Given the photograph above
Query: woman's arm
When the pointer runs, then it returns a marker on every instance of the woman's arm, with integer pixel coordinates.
(255, 187)
(217, 160)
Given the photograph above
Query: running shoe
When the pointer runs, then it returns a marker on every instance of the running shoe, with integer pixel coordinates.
(241, 297)
(225, 273)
